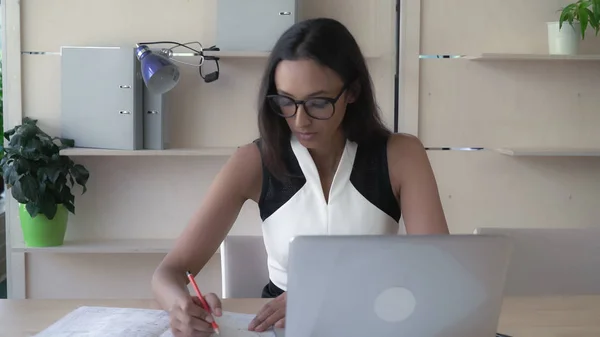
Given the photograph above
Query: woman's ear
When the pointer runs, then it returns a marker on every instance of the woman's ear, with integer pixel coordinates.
(353, 92)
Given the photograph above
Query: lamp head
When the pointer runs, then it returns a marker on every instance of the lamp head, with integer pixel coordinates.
(159, 73)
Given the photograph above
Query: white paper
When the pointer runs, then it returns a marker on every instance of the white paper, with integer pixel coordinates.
(233, 324)
(104, 322)
(128, 322)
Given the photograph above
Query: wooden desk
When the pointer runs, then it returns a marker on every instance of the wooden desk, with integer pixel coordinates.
(521, 317)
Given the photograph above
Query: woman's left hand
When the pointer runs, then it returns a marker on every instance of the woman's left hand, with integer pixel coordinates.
(271, 314)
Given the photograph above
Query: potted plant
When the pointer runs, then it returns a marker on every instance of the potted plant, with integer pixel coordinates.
(40, 179)
(564, 39)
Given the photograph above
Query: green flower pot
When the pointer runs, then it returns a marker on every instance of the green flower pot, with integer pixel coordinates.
(41, 231)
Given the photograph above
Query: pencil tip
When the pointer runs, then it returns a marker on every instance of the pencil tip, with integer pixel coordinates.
(217, 331)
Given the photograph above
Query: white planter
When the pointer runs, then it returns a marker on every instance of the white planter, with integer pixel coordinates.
(564, 41)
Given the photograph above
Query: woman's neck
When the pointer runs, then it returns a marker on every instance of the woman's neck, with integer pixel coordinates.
(327, 158)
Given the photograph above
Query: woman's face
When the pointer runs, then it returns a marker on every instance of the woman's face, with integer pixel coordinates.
(306, 80)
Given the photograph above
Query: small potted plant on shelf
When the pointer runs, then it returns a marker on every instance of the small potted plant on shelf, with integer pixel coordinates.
(565, 34)
(40, 179)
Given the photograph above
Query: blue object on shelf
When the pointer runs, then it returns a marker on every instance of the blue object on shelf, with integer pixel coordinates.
(159, 73)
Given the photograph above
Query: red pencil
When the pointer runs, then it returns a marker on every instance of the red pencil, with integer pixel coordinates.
(204, 304)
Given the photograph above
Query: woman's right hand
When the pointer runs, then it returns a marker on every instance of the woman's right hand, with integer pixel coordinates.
(189, 319)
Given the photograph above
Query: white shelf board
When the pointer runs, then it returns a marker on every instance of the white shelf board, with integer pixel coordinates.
(238, 54)
(103, 246)
(532, 57)
(550, 152)
(246, 54)
(107, 246)
(207, 151)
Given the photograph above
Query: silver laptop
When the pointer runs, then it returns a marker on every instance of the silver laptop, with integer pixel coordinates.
(396, 286)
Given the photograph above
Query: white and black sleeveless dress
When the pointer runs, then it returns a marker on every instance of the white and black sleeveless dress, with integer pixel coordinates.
(361, 202)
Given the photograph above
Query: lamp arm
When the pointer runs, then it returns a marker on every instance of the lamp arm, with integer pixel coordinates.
(177, 44)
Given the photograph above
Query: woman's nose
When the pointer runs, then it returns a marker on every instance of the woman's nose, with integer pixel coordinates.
(302, 118)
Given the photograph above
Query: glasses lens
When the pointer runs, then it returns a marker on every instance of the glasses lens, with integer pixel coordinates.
(282, 105)
(319, 108)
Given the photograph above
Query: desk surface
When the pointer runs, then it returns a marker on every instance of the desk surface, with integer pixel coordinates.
(521, 317)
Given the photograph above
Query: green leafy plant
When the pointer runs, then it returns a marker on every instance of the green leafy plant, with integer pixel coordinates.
(35, 172)
(586, 12)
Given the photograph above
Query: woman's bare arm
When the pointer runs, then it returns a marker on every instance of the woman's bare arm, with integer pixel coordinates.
(415, 186)
(239, 180)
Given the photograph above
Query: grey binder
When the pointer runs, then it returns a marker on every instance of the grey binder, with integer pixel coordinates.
(255, 25)
(101, 97)
(155, 121)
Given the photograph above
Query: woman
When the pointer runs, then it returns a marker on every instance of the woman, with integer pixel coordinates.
(324, 164)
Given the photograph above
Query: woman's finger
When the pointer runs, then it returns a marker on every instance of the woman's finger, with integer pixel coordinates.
(280, 323)
(266, 311)
(198, 310)
(200, 325)
(193, 308)
(214, 303)
(176, 332)
(270, 320)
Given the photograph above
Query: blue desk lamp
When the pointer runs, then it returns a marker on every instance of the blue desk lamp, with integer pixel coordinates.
(159, 72)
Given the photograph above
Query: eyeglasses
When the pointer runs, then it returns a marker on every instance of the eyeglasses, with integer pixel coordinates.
(315, 107)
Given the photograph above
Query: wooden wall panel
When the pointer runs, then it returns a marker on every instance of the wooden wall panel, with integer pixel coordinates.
(509, 103)
(50, 24)
(487, 26)
(154, 197)
(496, 104)
(486, 189)
(87, 276)
(200, 113)
(147, 197)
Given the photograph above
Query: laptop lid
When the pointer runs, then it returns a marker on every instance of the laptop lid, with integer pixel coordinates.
(394, 286)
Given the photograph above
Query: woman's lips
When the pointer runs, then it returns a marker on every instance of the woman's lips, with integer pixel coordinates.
(306, 135)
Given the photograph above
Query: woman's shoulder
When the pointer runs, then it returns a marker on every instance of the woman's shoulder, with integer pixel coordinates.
(245, 166)
(406, 155)
(395, 145)
(404, 144)
(248, 153)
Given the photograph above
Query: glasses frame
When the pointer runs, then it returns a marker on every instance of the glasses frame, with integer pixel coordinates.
(333, 101)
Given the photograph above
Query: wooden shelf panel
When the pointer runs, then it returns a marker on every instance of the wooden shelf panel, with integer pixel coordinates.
(104, 246)
(226, 54)
(107, 246)
(208, 151)
(238, 54)
(550, 152)
(532, 57)
(221, 54)
(253, 54)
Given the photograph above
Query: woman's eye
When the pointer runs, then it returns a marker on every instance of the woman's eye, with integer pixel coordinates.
(284, 102)
(317, 103)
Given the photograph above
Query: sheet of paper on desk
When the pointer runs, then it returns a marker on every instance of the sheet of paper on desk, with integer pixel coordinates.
(234, 325)
(128, 322)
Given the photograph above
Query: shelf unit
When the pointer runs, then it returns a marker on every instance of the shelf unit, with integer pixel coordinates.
(107, 246)
(549, 152)
(531, 57)
(220, 54)
(541, 151)
(207, 151)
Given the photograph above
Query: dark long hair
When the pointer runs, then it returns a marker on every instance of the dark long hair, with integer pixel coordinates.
(329, 43)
